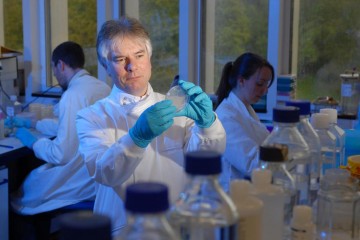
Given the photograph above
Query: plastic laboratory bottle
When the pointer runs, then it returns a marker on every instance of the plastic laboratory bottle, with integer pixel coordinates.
(273, 199)
(313, 141)
(285, 131)
(146, 204)
(338, 210)
(204, 211)
(250, 210)
(302, 226)
(320, 122)
(84, 225)
(339, 134)
(12, 109)
(273, 157)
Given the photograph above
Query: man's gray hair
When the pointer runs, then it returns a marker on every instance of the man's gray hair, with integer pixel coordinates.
(113, 30)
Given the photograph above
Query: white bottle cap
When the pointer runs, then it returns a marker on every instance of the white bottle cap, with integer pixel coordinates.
(13, 98)
(302, 214)
(239, 189)
(320, 120)
(332, 114)
(261, 177)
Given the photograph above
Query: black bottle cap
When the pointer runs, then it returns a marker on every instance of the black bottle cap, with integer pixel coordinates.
(84, 225)
(147, 197)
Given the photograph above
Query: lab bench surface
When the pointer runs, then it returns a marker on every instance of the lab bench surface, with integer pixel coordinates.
(16, 162)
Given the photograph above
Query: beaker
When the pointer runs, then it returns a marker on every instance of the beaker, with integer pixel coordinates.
(338, 209)
(349, 96)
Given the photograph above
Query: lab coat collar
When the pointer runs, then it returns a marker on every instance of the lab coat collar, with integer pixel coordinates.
(238, 103)
(78, 75)
(124, 98)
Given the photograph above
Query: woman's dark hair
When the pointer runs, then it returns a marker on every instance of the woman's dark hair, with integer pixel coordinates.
(70, 53)
(245, 66)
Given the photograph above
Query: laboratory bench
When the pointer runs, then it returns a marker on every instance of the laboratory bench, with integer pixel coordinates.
(16, 161)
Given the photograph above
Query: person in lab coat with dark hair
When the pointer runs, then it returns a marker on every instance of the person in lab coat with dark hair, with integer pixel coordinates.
(63, 180)
(135, 134)
(243, 82)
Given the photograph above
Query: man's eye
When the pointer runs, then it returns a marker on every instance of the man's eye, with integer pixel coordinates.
(139, 55)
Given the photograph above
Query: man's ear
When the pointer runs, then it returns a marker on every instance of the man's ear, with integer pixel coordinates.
(61, 65)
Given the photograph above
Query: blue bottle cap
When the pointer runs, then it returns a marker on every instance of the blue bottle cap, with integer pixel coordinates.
(203, 163)
(147, 197)
(84, 225)
(286, 114)
(303, 105)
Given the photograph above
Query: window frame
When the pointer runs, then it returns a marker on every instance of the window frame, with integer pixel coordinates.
(191, 15)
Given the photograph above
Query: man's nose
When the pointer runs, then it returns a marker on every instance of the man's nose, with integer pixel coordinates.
(130, 67)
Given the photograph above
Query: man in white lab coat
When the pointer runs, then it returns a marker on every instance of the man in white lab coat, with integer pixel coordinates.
(63, 180)
(134, 134)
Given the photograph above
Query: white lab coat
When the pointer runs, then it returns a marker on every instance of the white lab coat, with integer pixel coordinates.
(64, 179)
(114, 160)
(244, 134)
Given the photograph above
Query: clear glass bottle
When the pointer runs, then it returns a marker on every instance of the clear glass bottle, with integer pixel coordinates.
(339, 134)
(250, 210)
(147, 204)
(320, 122)
(274, 201)
(313, 141)
(204, 211)
(338, 212)
(285, 131)
(274, 157)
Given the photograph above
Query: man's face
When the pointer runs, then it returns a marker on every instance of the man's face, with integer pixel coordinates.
(58, 71)
(129, 66)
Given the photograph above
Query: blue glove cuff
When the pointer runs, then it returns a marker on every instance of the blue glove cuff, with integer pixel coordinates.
(207, 123)
(138, 141)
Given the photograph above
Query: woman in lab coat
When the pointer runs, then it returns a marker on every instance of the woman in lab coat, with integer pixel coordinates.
(243, 82)
(134, 134)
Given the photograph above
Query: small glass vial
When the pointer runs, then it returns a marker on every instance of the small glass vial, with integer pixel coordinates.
(204, 211)
(146, 204)
(302, 226)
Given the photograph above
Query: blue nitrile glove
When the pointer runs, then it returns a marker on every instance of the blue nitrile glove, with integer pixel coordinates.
(199, 108)
(18, 122)
(152, 122)
(26, 137)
